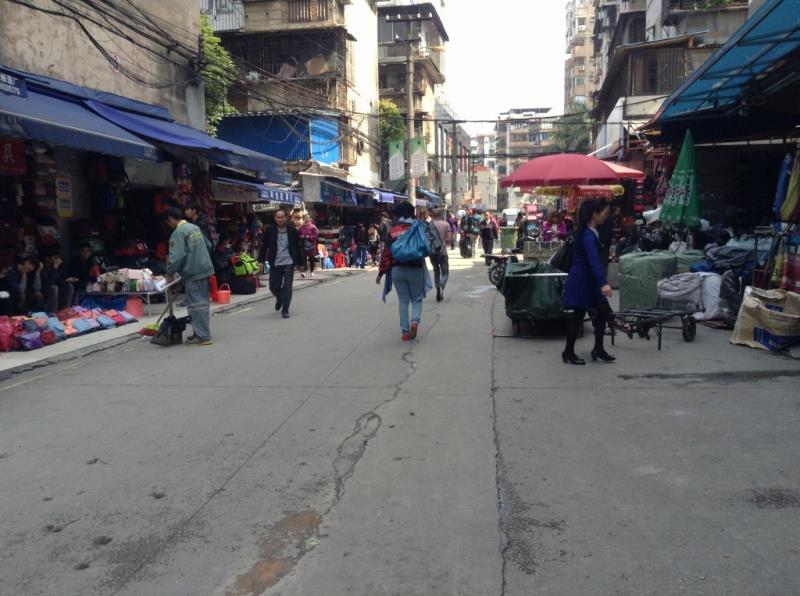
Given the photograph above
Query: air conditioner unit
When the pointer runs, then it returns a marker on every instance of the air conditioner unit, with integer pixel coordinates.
(253, 76)
(581, 68)
(581, 27)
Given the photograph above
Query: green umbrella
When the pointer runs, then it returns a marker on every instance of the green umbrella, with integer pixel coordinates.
(682, 203)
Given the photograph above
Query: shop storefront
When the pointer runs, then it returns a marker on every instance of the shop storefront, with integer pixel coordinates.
(79, 167)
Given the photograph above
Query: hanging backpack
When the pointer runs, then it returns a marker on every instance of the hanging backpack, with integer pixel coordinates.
(412, 245)
(434, 238)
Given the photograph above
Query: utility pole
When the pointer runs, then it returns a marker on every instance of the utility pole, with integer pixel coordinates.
(411, 113)
(409, 20)
(454, 166)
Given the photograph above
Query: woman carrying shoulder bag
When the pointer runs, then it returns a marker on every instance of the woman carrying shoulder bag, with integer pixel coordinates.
(587, 288)
(309, 237)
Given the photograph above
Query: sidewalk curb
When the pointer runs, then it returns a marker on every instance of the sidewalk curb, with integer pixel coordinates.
(134, 335)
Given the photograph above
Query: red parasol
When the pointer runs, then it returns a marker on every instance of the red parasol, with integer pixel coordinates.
(562, 169)
(625, 171)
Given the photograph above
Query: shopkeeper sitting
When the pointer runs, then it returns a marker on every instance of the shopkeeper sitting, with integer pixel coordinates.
(25, 285)
(56, 283)
(85, 268)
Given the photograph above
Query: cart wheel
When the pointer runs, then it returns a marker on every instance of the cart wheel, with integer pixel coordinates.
(516, 328)
(494, 275)
(689, 328)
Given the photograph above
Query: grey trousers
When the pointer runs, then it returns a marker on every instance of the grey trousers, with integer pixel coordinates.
(198, 306)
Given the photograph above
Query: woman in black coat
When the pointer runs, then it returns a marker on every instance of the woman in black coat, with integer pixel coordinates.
(587, 288)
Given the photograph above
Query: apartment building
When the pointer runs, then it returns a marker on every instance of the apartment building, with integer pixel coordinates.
(644, 51)
(428, 52)
(304, 97)
(522, 134)
(452, 154)
(579, 77)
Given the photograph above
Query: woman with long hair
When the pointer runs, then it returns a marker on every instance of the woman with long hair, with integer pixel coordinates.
(587, 288)
(411, 280)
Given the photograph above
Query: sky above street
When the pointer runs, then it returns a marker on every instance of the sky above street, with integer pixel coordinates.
(505, 54)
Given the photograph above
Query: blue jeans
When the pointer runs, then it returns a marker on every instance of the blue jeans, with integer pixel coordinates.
(197, 305)
(409, 283)
(362, 250)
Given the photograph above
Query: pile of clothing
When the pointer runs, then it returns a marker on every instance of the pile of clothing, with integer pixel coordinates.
(41, 329)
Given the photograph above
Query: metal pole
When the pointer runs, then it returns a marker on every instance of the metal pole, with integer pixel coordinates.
(411, 186)
(454, 166)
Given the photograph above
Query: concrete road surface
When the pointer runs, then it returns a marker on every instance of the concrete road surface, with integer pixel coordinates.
(321, 456)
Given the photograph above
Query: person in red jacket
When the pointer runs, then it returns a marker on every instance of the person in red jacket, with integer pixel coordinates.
(411, 279)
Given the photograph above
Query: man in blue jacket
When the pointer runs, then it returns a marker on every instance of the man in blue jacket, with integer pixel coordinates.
(189, 257)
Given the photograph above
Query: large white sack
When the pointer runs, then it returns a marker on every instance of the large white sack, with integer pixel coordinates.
(711, 285)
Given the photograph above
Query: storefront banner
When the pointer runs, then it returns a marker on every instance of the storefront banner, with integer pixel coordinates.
(233, 193)
(397, 163)
(336, 195)
(11, 84)
(419, 158)
(12, 157)
(280, 196)
(64, 204)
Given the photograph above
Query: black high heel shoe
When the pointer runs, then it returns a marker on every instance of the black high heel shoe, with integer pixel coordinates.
(572, 359)
(602, 355)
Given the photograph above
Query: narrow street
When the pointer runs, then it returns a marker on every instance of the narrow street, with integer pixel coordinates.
(320, 455)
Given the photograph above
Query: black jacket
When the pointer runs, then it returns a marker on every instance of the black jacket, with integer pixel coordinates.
(269, 245)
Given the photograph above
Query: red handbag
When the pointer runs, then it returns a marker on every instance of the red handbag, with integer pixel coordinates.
(49, 337)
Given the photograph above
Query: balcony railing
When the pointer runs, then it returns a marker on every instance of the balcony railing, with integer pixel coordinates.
(225, 15)
(705, 4)
(306, 11)
(397, 52)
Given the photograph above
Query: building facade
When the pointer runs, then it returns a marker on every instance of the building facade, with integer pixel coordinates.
(579, 74)
(644, 51)
(428, 54)
(522, 134)
(139, 67)
(452, 154)
(303, 87)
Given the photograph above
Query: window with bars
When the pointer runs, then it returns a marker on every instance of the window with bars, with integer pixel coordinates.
(306, 11)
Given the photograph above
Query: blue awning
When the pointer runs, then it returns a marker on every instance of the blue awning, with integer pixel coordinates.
(742, 66)
(57, 121)
(433, 199)
(171, 133)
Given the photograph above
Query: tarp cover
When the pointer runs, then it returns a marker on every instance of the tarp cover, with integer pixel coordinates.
(639, 274)
(532, 297)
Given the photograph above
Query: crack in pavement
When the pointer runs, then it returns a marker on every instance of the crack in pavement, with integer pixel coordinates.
(499, 472)
(175, 534)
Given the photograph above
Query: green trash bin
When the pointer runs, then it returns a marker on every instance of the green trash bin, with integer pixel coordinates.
(508, 238)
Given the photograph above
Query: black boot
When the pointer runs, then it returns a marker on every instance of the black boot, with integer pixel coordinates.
(572, 359)
(601, 354)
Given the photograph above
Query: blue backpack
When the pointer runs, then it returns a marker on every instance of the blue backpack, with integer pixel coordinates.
(412, 245)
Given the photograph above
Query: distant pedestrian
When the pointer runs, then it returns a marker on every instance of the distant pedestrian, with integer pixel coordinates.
(441, 260)
(586, 288)
(489, 232)
(361, 239)
(190, 257)
(374, 241)
(453, 221)
(194, 215)
(309, 238)
(411, 280)
(281, 249)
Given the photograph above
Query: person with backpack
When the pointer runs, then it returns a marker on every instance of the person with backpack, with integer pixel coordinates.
(439, 257)
(405, 268)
